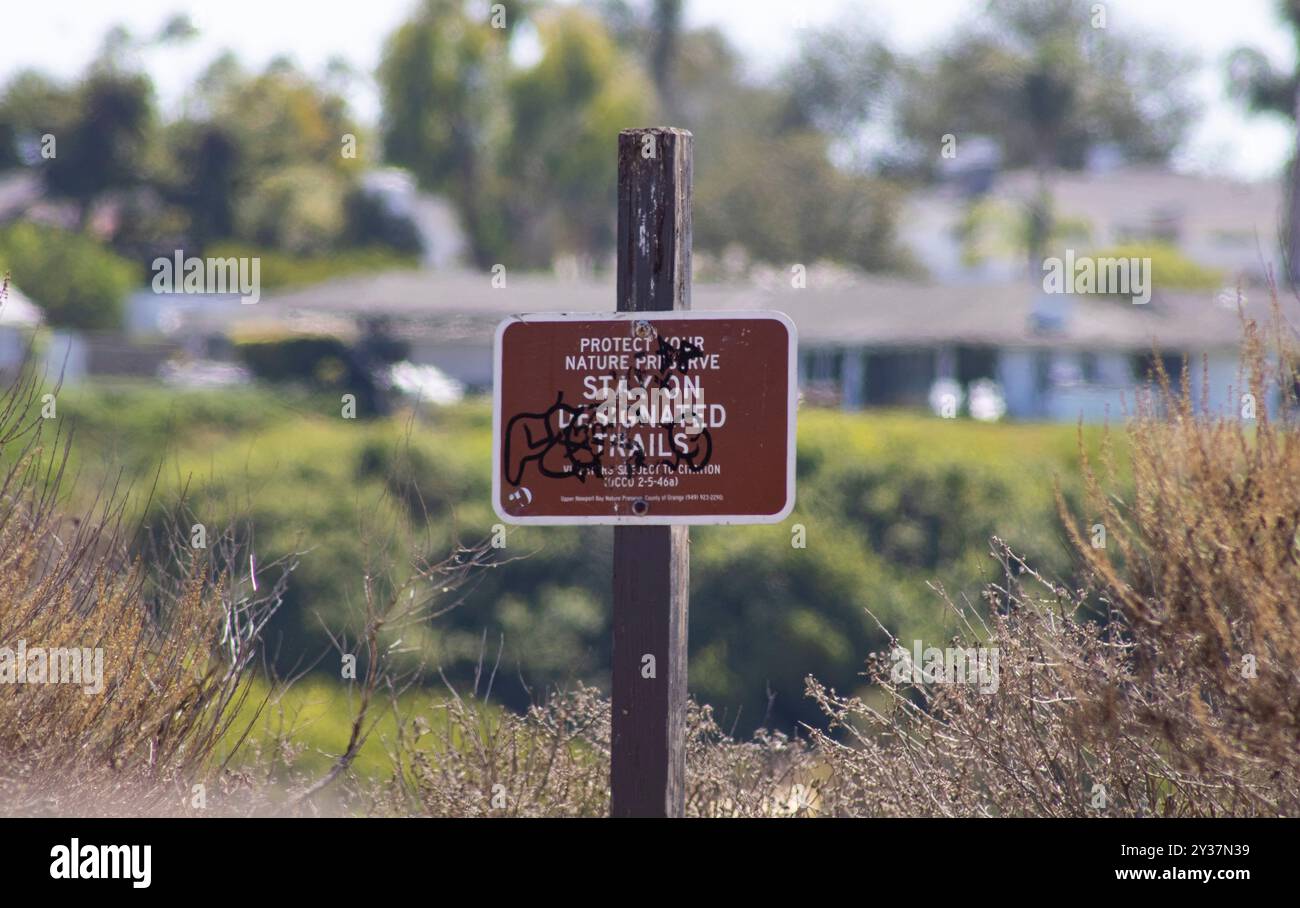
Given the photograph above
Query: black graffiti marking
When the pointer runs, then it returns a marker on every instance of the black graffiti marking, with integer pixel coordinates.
(576, 440)
(671, 360)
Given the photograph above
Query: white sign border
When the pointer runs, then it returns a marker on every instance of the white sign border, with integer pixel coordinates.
(792, 383)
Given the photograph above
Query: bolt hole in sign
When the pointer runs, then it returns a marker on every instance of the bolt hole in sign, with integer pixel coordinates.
(644, 418)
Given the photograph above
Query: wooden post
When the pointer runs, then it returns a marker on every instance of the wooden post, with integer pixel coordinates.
(651, 563)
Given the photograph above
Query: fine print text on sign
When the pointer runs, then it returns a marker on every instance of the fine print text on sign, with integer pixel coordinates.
(644, 418)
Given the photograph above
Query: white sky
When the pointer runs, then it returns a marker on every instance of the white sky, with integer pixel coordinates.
(59, 36)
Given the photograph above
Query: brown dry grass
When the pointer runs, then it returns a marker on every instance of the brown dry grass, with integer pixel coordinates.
(554, 761)
(1181, 698)
(178, 634)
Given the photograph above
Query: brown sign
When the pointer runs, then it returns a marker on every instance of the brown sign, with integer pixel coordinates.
(644, 417)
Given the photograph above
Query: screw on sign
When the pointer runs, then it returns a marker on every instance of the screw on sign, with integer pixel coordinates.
(684, 417)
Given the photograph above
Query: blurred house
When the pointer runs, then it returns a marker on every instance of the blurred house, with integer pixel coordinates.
(151, 316)
(202, 324)
(74, 357)
(865, 343)
(1214, 222)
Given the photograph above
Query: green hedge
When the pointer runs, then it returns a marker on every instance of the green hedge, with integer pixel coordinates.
(79, 283)
(318, 360)
(279, 269)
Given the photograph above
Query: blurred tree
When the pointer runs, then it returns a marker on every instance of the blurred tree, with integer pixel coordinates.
(566, 113)
(785, 202)
(771, 174)
(667, 26)
(526, 155)
(76, 281)
(178, 28)
(767, 177)
(105, 143)
(1267, 90)
(33, 105)
(280, 117)
(105, 128)
(270, 158)
(260, 158)
(206, 183)
(297, 208)
(1051, 82)
(838, 83)
(444, 114)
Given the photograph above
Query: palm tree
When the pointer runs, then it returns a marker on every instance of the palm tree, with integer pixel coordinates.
(667, 25)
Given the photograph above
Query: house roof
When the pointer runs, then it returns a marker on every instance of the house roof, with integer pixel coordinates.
(463, 307)
(1137, 194)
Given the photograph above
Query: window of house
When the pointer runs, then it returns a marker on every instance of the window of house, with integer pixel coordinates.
(1144, 368)
(974, 363)
(1088, 367)
(1042, 370)
(899, 377)
(823, 365)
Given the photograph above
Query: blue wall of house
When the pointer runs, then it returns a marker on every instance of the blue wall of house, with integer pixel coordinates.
(1038, 383)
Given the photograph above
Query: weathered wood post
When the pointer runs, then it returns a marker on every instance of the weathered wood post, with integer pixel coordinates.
(651, 563)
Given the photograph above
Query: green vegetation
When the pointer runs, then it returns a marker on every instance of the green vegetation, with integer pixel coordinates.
(268, 162)
(314, 716)
(1051, 81)
(991, 228)
(788, 168)
(526, 153)
(322, 361)
(890, 502)
(1170, 269)
(78, 282)
(280, 269)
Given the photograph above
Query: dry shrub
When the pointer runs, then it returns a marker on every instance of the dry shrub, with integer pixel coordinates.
(1210, 585)
(1165, 684)
(177, 632)
(554, 761)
